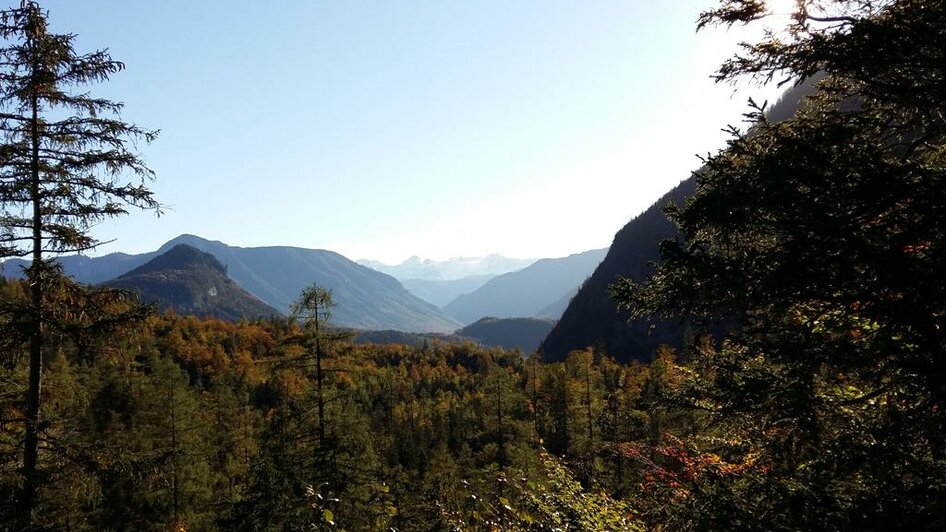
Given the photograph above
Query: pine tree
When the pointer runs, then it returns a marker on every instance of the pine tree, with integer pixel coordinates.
(62, 161)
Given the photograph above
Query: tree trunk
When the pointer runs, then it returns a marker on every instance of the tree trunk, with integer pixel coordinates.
(499, 415)
(175, 490)
(318, 383)
(35, 277)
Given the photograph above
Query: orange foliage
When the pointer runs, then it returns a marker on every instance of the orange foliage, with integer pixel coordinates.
(672, 465)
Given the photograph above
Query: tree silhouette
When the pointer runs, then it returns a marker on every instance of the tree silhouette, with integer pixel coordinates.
(63, 158)
(822, 237)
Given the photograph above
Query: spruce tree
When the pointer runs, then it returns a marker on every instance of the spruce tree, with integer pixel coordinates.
(64, 161)
(822, 237)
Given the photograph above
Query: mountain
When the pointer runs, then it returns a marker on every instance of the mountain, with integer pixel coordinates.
(527, 292)
(365, 298)
(592, 317)
(451, 269)
(442, 291)
(189, 281)
(85, 269)
(509, 333)
(554, 311)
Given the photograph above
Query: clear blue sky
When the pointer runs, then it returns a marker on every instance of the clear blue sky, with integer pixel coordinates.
(386, 129)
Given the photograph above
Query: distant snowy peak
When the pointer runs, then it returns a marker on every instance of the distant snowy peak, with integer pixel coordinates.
(451, 269)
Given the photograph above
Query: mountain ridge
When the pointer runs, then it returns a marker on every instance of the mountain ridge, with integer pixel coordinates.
(526, 292)
(366, 299)
(448, 270)
(440, 292)
(524, 334)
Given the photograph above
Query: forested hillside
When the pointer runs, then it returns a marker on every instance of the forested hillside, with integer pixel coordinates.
(510, 333)
(367, 299)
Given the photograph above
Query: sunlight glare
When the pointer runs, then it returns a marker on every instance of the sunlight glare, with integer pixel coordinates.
(781, 8)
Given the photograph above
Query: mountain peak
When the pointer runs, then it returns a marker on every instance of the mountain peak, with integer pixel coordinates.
(451, 269)
(181, 257)
(188, 239)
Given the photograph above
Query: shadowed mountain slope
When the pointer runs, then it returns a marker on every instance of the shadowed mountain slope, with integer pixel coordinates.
(592, 318)
(366, 299)
(508, 333)
(189, 281)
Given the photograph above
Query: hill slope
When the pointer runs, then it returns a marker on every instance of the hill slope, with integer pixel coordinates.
(527, 292)
(509, 333)
(189, 281)
(442, 291)
(592, 318)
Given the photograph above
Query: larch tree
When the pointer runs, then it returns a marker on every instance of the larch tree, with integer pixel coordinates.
(314, 309)
(67, 161)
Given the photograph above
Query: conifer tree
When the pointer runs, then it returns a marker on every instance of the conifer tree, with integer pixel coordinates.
(64, 158)
(314, 308)
(823, 237)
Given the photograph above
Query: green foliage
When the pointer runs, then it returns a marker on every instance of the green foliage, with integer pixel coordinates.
(820, 239)
(821, 409)
(552, 500)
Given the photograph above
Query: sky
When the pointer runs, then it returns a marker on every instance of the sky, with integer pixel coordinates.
(383, 129)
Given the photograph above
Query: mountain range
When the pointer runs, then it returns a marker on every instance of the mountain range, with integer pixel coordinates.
(450, 269)
(365, 298)
(440, 292)
(536, 290)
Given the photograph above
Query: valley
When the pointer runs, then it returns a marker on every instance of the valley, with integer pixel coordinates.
(762, 346)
